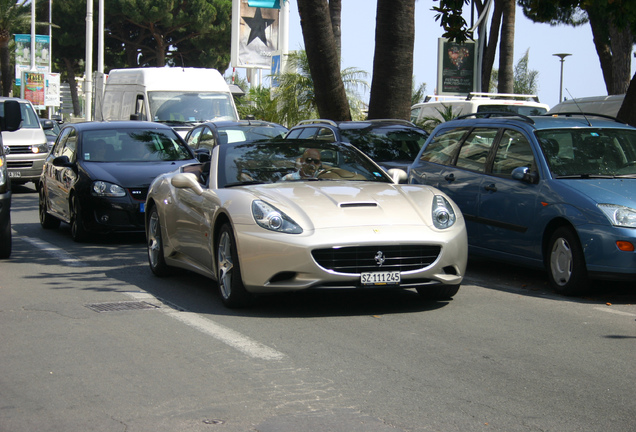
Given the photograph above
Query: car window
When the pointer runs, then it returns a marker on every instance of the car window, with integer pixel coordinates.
(308, 133)
(193, 137)
(293, 134)
(207, 138)
(475, 149)
(513, 151)
(57, 150)
(70, 146)
(443, 146)
(326, 134)
(387, 143)
(517, 109)
(30, 119)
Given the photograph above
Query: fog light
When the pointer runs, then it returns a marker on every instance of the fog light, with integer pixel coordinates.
(625, 246)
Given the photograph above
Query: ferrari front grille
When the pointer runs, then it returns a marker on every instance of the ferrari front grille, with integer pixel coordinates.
(358, 259)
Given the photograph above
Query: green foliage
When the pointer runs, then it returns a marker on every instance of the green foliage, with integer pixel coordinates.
(430, 123)
(418, 93)
(525, 80)
(449, 13)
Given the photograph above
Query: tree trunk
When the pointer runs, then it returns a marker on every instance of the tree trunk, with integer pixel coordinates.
(491, 48)
(5, 68)
(599, 37)
(627, 113)
(621, 42)
(335, 13)
(392, 82)
(506, 51)
(72, 83)
(322, 56)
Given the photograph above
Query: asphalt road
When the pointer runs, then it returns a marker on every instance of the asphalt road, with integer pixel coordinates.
(92, 341)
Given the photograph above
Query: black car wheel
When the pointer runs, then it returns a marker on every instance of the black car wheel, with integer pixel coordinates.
(156, 258)
(46, 220)
(566, 263)
(5, 240)
(78, 231)
(442, 292)
(231, 286)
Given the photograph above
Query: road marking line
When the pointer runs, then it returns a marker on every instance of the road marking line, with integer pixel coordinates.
(615, 312)
(56, 252)
(224, 334)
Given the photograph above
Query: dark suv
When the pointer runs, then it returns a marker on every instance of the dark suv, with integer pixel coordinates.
(390, 143)
(553, 191)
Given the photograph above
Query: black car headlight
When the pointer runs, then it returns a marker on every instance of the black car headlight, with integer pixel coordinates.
(106, 189)
(269, 217)
(443, 213)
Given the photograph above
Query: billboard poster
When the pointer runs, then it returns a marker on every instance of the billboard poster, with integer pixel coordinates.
(23, 55)
(255, 34)
(456, 67)
(33, 89)
(52, 93)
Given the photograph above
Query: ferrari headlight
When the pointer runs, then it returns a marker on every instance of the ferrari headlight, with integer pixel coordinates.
(105, 189)
(40, 148)
(443, 213)
(269, 217)
(619, 216)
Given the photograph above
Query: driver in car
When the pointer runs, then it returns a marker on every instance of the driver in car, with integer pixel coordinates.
(310, 166)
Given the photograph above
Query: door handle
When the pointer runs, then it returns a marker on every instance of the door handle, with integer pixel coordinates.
(491, 187)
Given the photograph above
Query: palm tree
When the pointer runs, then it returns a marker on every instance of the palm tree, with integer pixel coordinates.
(13, 16)
(430, 123)
(296, 97)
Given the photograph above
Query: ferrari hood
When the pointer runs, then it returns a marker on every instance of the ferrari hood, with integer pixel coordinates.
(337, 204)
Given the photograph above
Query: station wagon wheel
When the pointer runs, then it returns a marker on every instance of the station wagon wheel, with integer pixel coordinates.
(233, 292)
(156, 258)
(78, 231)
(441, 292)
(566, 263)
(46, 220)
(5, 240)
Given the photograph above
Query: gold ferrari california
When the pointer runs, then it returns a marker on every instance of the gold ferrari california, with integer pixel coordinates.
(289, 215)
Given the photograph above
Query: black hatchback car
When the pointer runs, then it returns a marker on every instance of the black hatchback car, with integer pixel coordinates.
(97, 175)
(391, 143)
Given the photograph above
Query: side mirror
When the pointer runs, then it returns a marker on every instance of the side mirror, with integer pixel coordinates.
(523, 174)
(398, 175)
(12, 116)
(62, 161)
(47, 124)
(187, 181)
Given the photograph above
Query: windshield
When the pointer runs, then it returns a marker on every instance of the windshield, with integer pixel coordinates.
(30, 119)
(250, 133)
(387, 144)
(133, 145)
(589, 152)
(190, 107)
(290, 160)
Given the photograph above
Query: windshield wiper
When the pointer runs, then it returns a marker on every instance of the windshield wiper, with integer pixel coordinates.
(585, 176)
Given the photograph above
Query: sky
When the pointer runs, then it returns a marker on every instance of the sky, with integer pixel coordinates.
(582, 75)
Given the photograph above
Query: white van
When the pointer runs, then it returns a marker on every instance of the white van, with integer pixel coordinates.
(606, 105)
(25, 148)
(179, 97)
(435, 107)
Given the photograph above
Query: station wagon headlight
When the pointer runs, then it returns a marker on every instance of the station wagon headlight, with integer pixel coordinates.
(269, 217)
(619, 216)
(443, 213)
(105, 189)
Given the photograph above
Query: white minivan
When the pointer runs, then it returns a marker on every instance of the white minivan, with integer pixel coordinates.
(25, 148)
(179, 97)
(433, 109)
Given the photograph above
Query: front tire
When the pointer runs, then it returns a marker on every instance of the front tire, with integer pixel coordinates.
(441, 292)
(154, 239)
(5, 240)
(78, 231)
(46, 220)
(566, 263)
(231, 288)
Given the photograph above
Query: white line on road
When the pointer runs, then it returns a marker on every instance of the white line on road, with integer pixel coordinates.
(224, 334)
(56, 252)
(612, 311)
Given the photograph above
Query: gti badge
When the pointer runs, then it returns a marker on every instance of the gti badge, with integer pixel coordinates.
(379, 258)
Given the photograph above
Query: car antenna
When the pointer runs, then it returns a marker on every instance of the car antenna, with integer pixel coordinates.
(577, 105)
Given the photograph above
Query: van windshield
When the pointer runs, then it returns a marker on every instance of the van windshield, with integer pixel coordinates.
(190, 107)
(30, 119)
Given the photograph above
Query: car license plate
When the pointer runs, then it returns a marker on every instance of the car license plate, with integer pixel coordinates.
(142, 207)
(380, 278)
(15, 174)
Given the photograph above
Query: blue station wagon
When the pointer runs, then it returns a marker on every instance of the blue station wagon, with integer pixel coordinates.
(552, 191)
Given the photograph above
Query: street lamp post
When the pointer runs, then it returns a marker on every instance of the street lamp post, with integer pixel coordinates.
(562, 56)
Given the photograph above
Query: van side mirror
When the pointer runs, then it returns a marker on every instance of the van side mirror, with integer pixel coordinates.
(47, 124)
(12, 116)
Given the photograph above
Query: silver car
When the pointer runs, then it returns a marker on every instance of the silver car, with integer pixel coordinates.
(294, 215)
(27, 147)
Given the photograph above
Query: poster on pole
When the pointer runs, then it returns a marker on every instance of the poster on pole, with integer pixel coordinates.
(33, 89)
(23, 55)
(456, 67)
(255, 33)
(52, 93)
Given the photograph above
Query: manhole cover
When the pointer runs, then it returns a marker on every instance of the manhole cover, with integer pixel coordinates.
(120, 306)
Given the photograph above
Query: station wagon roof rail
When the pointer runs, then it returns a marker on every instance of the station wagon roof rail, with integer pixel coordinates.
(584, 114)
(472, 95)
(311, 121)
